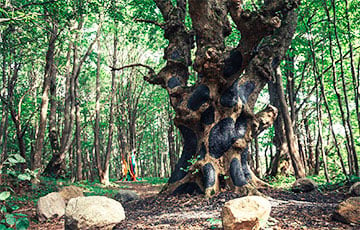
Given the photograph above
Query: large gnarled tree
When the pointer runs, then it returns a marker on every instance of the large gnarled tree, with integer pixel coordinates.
(215, 115)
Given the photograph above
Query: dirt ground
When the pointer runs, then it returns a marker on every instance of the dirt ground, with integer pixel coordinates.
(289, 210)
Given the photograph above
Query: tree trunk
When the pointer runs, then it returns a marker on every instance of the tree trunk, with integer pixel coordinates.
(289, 131)
(215, 116)
(53, 131)
(97, 115)
(171, 143)
(77, 151)
(281, 161)
(56, 166)
(45, 98)
(104, 177)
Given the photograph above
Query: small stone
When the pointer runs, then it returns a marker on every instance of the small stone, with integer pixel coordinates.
(304, 185)
(126, 195)
(93, 212)
(355, 189)
(251, 212)
(50, 206)
(70, 192)
(348, 211)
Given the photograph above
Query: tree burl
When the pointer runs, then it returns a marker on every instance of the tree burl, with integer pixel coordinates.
(215, 115)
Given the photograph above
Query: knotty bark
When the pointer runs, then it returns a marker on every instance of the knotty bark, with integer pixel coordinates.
(215, 115)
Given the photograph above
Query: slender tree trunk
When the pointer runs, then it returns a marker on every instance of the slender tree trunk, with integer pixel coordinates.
(53, 130)
(321, 146)
(56, 166)
(171, 143)
(309, 141)
(79, 165)
(4, 112)
(104, 178)
(290, 135)
(19, 132)
(355, 80)
(320, 80)
(45, 98)
(348, 124)
(97, 114)
(280, 163)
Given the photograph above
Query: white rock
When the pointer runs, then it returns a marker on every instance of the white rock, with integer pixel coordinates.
(50, 206)
(93, 212)
(251, 212)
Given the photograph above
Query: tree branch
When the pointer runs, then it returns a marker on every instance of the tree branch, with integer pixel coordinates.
(151, 70)
(161, 25)
(152, 77)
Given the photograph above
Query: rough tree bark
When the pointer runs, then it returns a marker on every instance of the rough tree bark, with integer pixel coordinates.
(215, 115)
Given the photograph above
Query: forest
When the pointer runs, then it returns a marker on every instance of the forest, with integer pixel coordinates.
(174, 110)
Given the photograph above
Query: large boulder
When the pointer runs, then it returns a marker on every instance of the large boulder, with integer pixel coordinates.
(70, 192)
(355, 189)
(50, 206)
(304, 185)
(126, 195)
(93, 212)
(251, 212)
(348, 211)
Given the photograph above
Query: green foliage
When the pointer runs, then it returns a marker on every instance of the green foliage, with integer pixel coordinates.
(11, 167)
(4, 195)
(215, 222)
(281, 181)
(8, 218)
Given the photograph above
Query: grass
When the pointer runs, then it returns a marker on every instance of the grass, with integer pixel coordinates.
(285, 182)
(153, 180)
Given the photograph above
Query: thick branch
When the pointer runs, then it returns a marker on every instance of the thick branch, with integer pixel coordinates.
(265, 119)
(256, 25)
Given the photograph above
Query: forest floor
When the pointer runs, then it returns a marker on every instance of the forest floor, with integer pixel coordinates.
(289, 210)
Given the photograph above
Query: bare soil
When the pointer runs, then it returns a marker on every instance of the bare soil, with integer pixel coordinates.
(289, 210)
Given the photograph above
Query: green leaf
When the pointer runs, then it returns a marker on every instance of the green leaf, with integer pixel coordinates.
(4, 195)
(19, 158)
(15, 207)
(3, 209)
(2, 227)
(24, 176)
(22, 224)
(10, 219)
